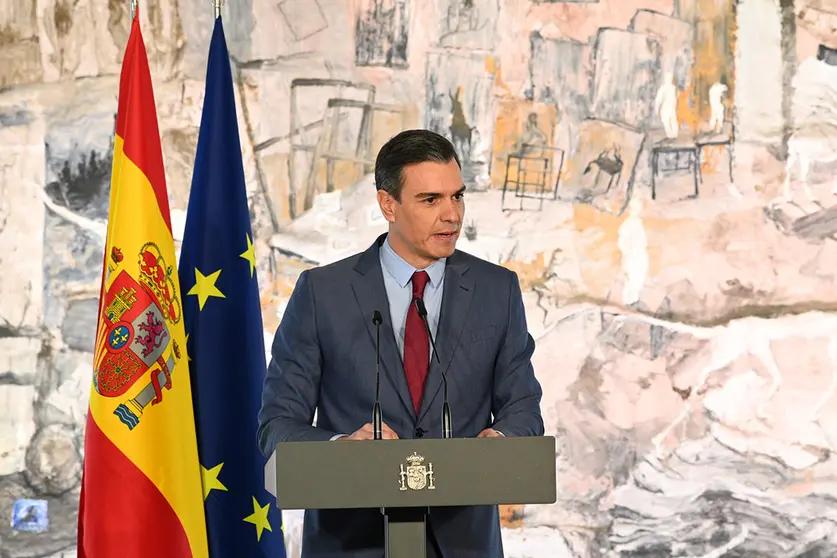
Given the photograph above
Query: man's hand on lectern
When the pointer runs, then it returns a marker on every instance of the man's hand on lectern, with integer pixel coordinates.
(366, 433)
(489, 433)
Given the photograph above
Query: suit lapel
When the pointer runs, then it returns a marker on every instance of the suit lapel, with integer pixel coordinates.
(456, 302)
(371, 295)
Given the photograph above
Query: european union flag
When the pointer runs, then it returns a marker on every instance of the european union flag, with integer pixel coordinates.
(225, 340)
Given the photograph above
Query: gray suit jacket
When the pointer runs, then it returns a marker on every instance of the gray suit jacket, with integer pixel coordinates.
(323, 358)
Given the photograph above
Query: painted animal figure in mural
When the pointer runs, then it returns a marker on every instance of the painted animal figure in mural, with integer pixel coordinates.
(461, 133)
(436, 116)
(541, 285)
(609, 162)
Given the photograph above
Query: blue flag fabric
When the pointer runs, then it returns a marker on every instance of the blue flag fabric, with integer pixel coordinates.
(225, 340)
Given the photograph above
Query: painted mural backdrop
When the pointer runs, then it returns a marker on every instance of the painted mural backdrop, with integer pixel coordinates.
(659, 173)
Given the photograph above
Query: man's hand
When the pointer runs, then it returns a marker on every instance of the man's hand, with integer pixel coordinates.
(366, 433)
(489, 433)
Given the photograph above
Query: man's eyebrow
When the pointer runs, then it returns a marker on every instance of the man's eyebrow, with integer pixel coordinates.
(423, 195)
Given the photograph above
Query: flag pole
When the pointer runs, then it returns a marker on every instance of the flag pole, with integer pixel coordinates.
(134, 6)
(217, 4)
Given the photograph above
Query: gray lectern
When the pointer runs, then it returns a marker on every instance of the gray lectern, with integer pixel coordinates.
(405, 477)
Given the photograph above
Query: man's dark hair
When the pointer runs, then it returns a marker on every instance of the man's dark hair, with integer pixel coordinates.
(410, 147)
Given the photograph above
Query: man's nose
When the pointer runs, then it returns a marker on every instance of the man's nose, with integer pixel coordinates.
(450, 212)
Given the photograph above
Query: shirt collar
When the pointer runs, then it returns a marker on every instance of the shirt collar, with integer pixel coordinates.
(402, 272)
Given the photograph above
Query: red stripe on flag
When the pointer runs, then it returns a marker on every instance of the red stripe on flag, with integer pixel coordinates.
(135, 120)
(127, 516)
(125, 75)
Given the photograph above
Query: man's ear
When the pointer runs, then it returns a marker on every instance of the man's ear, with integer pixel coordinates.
(387, 205)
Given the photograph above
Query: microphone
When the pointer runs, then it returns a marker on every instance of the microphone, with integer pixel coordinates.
(376, 410)
(422, 311)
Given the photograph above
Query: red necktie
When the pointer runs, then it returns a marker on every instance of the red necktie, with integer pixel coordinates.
(416, 343)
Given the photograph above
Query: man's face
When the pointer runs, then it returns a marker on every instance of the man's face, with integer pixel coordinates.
(426, 221)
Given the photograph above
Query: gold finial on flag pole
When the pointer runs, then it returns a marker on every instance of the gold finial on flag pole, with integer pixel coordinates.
(217, 4)
(134, 6)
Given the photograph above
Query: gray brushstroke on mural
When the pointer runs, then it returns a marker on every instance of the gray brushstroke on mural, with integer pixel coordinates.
(382, 33)
(560, 74)
(468, 24)
(627, 68)
(752, 518)
(15, 117)
(675, 37)
(304, 18)
(789, 68)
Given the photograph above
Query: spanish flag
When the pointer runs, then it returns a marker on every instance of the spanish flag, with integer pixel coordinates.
(141, 491)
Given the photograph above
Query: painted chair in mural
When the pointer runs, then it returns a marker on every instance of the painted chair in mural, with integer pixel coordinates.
(693, 149)
(346, 122)
(344, 133)
(677, 154)
(308, 137)
(533, 167)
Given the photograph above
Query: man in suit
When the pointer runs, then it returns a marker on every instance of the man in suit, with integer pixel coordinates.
(323, 354)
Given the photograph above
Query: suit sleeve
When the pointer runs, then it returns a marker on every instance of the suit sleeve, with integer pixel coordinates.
(517, 393)
(292, 383)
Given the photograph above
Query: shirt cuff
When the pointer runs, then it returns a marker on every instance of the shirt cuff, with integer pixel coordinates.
(337, 437)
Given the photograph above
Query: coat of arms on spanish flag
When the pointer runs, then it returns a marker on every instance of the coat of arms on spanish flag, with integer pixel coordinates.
(141, 490)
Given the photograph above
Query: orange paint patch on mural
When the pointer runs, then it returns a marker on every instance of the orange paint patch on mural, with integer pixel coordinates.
(596, 236)
(492, 66)
(801, 487)
(533, 272)
(686, 116)
(712, 157)
(596, 245)
(511, 516)
(714, 48)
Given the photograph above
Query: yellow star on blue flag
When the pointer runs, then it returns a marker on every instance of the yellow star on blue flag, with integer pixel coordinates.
(259, 518)
(225, 342)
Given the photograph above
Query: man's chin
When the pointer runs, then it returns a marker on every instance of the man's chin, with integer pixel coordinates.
(444, 246)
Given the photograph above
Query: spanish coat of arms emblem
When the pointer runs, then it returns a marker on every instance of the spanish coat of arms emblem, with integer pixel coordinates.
(416, 475)
(134, 335)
